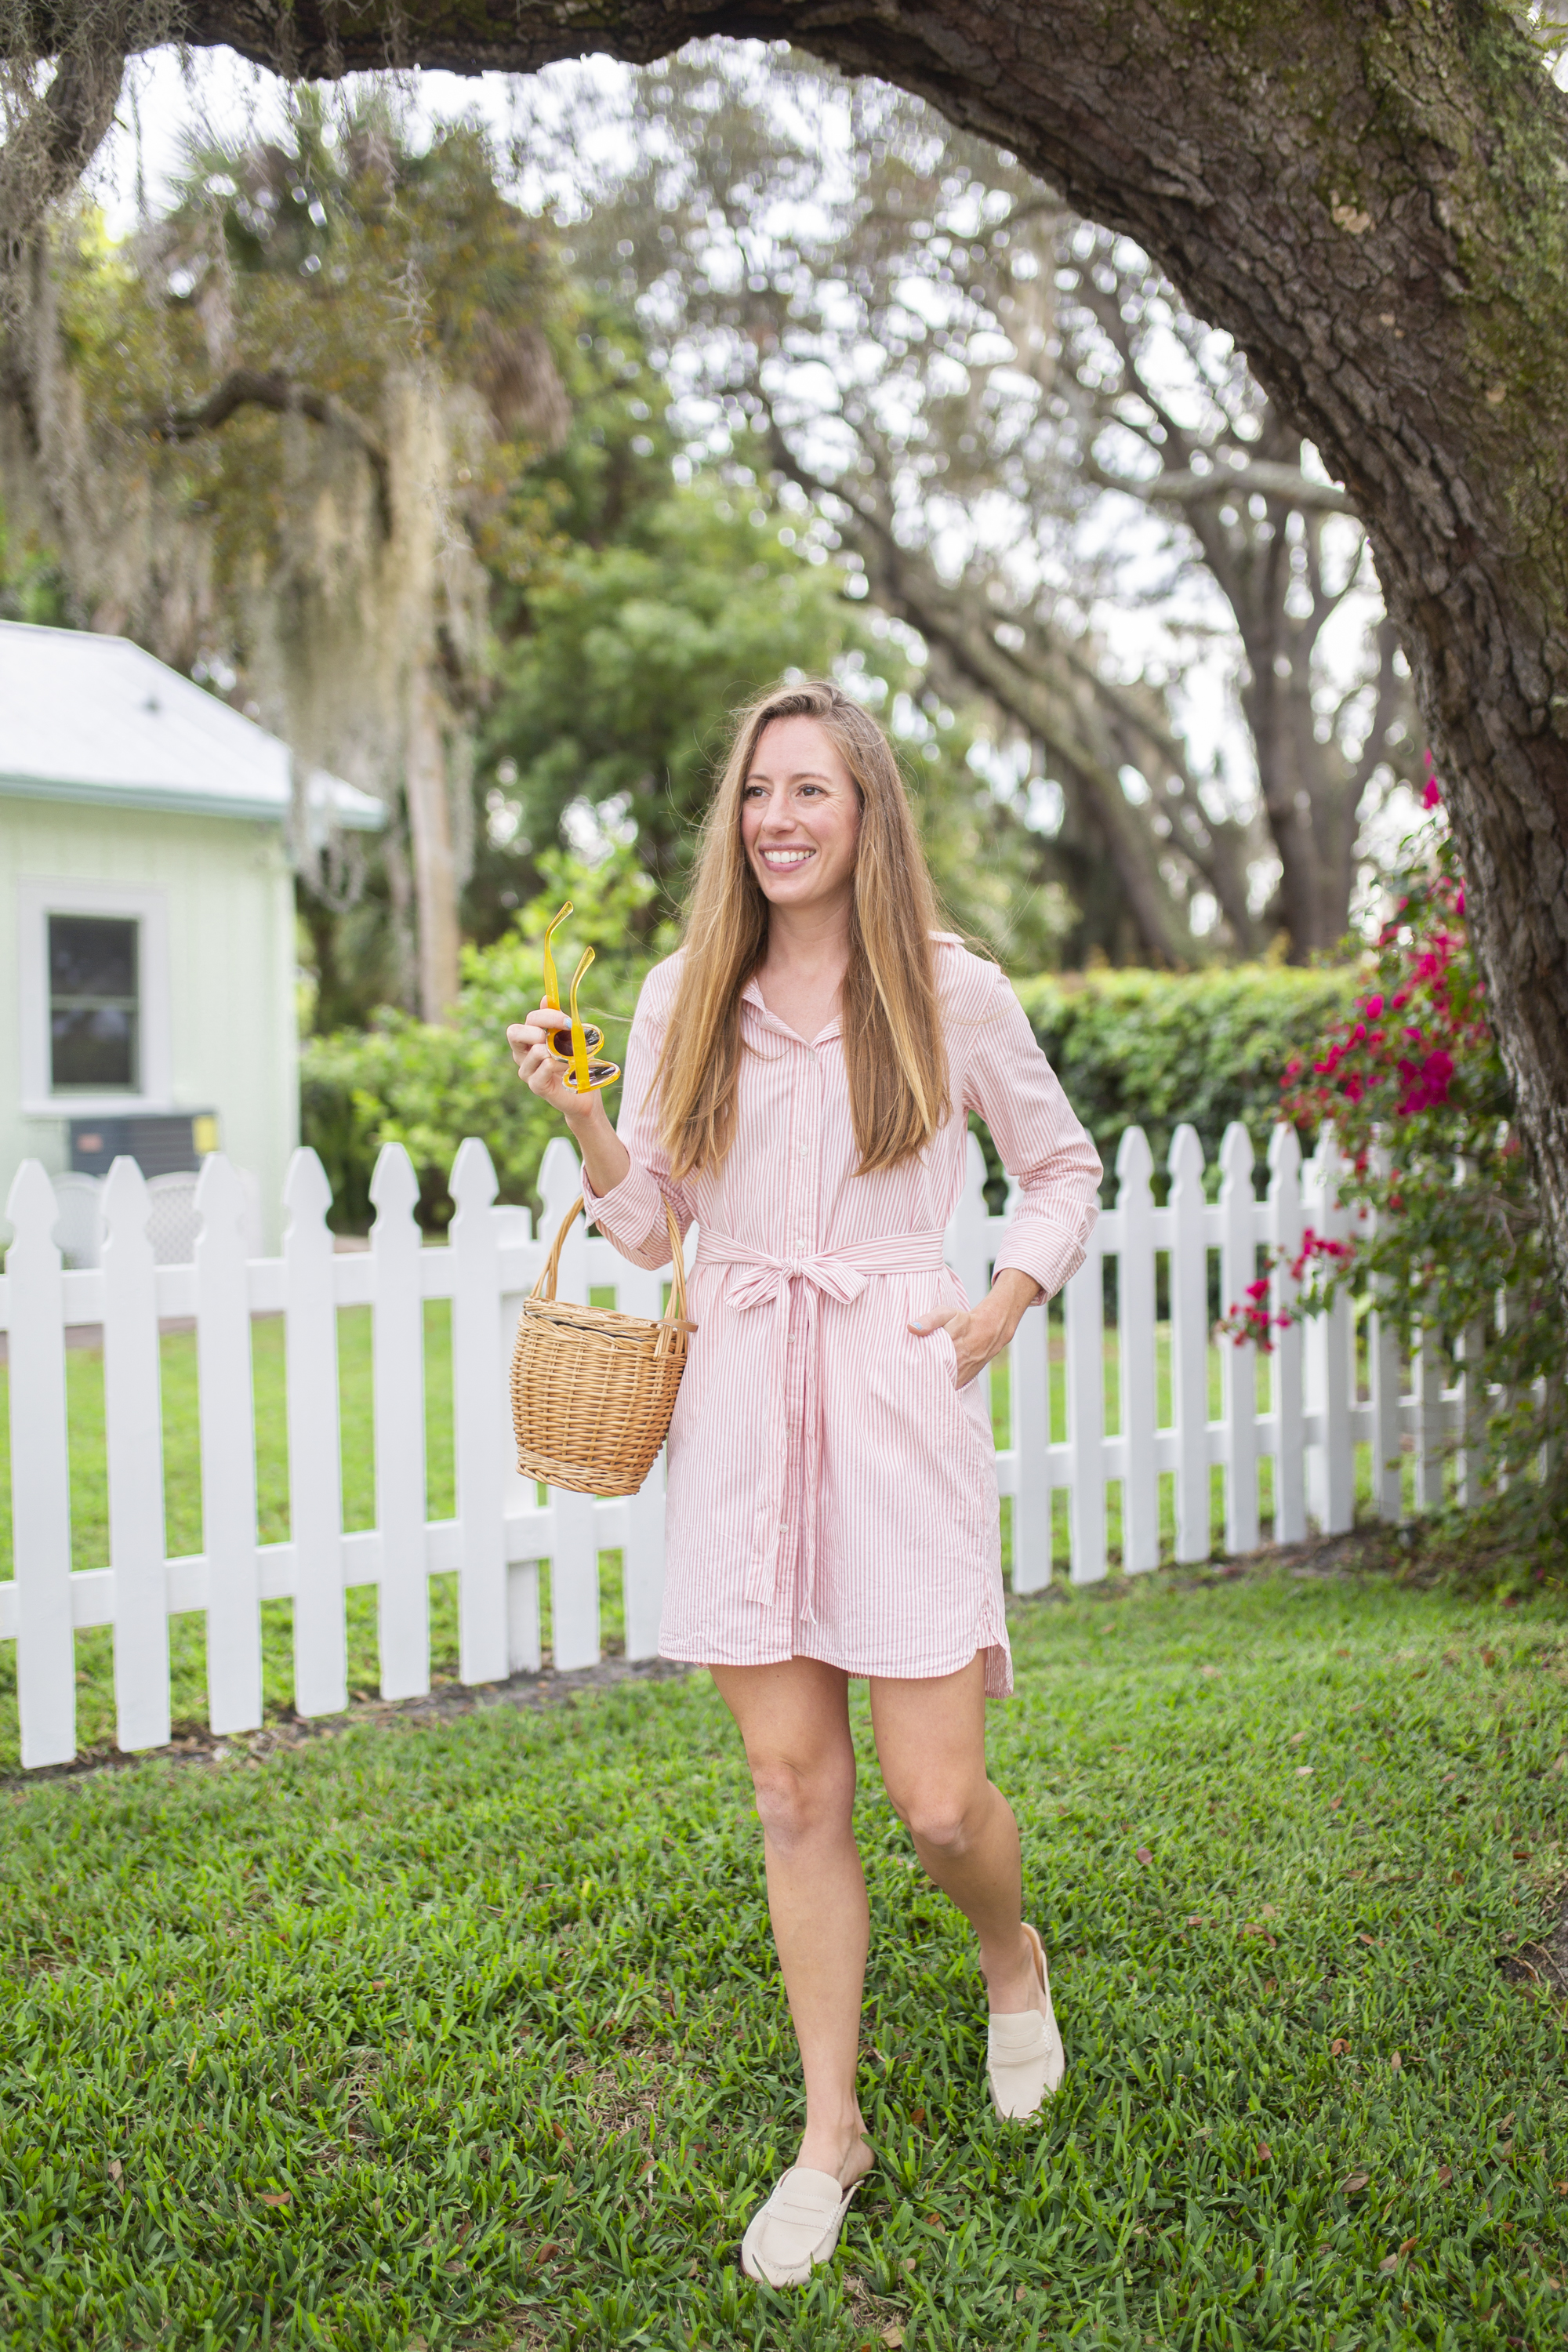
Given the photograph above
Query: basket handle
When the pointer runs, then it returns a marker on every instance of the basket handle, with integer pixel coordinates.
(546, 1285)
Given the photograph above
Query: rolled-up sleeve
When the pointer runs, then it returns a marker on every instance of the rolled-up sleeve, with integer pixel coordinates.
(632, 1216)
(1043, 1148)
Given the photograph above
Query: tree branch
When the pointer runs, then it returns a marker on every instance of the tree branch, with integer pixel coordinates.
(47, 152)
(1266, 480)
(251, 388)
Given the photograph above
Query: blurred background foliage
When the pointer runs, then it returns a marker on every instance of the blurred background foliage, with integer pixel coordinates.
(494, 475)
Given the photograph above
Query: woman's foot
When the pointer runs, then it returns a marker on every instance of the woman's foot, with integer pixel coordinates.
(1025, 2061)
(797, 2230)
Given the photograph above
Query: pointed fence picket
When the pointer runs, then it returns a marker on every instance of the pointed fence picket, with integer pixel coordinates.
(398, 1358)
(1138, 1371)
(133, 1443)
(40, 1475)
(1153, 1382)
(229, 1563)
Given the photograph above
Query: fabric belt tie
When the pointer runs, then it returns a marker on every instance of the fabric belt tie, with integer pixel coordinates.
(841, 1274)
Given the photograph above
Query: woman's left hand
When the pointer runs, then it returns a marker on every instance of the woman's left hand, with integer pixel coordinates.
(981, 1333)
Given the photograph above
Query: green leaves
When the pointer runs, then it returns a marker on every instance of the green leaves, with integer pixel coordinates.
(1151, 1048)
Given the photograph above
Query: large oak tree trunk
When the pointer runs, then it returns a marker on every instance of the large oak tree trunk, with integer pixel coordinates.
(1373, 197)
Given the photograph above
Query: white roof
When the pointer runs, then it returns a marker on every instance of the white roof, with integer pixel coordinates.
(88, 717)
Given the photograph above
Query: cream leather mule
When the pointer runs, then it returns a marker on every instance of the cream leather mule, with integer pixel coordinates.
(796, 2231)
(1025, 2061)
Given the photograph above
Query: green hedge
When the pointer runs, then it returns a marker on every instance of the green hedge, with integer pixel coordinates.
(1132, 1048)
(1150, 1049)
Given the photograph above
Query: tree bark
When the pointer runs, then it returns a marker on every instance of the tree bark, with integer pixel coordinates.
(1373, 199)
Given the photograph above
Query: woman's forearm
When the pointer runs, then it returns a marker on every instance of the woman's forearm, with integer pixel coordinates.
(605, 1156)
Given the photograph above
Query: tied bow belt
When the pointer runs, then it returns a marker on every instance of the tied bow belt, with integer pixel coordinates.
(843, 1274)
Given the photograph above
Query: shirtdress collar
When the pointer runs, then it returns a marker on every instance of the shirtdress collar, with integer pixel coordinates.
(752, 995)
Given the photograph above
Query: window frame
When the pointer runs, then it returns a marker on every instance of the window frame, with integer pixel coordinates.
(37, 901)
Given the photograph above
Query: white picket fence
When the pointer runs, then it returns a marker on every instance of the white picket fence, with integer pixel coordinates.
(501, 1534)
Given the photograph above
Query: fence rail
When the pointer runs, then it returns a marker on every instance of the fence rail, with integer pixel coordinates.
(501, 1534)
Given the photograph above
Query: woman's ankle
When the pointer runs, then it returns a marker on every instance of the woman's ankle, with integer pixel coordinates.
(834, 2146)
(1012, 1980)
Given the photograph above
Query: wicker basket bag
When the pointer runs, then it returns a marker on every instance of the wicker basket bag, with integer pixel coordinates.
(592, 1392)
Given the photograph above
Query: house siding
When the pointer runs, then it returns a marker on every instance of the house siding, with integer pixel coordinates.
(231, 970)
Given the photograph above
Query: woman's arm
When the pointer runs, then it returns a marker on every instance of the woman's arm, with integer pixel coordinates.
(998, 1070)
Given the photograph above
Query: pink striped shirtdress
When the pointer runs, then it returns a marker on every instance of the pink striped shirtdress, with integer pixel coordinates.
(832, 1493)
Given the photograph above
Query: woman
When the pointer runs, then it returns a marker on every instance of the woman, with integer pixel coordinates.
(797, 1079)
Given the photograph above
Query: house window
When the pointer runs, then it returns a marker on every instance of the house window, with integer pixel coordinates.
(95, 1003)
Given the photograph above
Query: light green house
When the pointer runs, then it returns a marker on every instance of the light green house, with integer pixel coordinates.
(147, 930)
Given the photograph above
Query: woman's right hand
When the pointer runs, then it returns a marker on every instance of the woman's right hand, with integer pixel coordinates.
(605, 1156)
(543, 1072)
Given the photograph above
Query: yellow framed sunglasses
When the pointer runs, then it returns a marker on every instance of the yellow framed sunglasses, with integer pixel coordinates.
(580, 1043)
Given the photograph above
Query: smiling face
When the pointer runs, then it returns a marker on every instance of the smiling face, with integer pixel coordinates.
(800, 816)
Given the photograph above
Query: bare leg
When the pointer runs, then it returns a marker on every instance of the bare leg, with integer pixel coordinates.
(795, 1721)
(930, 1741)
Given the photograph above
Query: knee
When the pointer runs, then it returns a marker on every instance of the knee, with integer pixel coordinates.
(943, 1818)
(796, 1804)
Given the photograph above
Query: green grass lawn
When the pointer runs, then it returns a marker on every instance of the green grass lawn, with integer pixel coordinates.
(470, 2034)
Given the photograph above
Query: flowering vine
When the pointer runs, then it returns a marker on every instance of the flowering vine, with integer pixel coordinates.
(1445, 1225)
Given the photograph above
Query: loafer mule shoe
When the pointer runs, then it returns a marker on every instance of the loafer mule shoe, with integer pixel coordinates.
(796, 2231)
(1025, 2061)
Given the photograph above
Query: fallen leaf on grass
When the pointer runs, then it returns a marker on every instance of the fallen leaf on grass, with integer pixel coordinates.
(918, 2117)
(1304, 1771)
(1208, 1670)
(1389, 2263)
(1407, 2246)
(1376, 1942)
(1338, 2049)
(1396, 2062)
(1145, 1855)
(1019, 2292)
(1355, 2184)
(115, 2167)
(378, 1984)
(1264, 2151)
(1193, 1919)
(893, 2334)
(283, 2197)
(1444, 2174)
(1295, 1738)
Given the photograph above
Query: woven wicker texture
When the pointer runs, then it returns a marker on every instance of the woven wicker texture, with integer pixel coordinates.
(592, 1392)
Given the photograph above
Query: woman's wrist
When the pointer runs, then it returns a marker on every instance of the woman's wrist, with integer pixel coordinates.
(1009, 1300)
(603, 1154)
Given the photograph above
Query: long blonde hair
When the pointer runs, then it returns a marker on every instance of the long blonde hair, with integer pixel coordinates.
(892, 1027)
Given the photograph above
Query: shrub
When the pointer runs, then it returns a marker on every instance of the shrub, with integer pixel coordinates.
(1150, 1049)
(1447, 1232)
(427, 1087)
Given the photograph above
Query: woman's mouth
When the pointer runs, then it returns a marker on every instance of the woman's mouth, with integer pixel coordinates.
(785, 861)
